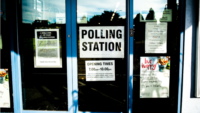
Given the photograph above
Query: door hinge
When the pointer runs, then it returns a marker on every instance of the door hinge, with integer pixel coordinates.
(131, 32)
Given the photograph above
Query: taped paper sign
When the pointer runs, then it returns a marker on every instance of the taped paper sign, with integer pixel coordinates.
(101, 70)
(156, 37)
(47, 49)
(4, 89)
(101, 42)
(167, 16)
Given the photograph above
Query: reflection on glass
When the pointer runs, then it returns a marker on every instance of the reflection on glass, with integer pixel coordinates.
(50, 10)
(90, 10)
(150, 11)
(3, 21)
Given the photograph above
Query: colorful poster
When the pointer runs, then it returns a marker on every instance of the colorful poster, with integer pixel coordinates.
(101, 70)
(154, 77)
(4, 89)
(101, 42)
(47, 51)
(156, 37)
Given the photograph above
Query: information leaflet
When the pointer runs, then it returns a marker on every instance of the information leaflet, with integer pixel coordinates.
(47, 49)
(101, 42)
(154, 77)
(4, 89)
(156, 37)
(101, 70)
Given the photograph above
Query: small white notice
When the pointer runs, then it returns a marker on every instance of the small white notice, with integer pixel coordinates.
(156, 37)
(101, 70)
(167, 16)
(60, 18)
(101, 42)
(47, 51)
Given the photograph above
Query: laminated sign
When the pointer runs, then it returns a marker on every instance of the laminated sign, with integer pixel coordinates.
(47, 51)
(156, 37)
(101, 42)
(154, 77)
(101, 70)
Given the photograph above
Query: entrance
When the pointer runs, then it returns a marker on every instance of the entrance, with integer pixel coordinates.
(97, 56)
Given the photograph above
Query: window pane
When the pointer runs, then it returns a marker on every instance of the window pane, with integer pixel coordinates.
(6, 98)
(51, 10)
(42, 36)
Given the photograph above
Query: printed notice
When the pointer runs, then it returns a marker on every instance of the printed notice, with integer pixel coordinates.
(47, 49)
(4, 89)
(156, 37)
(101, 70)
(154, 77)
(101, 42)
(167, 16)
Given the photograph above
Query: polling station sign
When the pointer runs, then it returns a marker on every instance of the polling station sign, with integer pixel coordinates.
(101, 42)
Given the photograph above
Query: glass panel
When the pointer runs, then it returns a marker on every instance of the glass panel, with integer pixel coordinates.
(42, 33)
(156, 55)
(52, 11)
(6, 99)
(102, 83)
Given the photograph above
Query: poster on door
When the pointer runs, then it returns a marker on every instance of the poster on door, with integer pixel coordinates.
(47, 49)
(4, 89)
(101, 70)
(101, 42)
(154, 77)
(156, 37)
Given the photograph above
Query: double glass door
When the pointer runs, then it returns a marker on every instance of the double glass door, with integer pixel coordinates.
(73, 55)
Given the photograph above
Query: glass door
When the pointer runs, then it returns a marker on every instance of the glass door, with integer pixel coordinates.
(100, 63)
(156, 47)
(44, 55)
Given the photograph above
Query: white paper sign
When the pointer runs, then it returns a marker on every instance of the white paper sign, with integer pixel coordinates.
(47, 49)
(156, 37)
(167, 16)
(101, 42)
(154, 77)
(101, 70)
(4, 89)
(60, 18)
